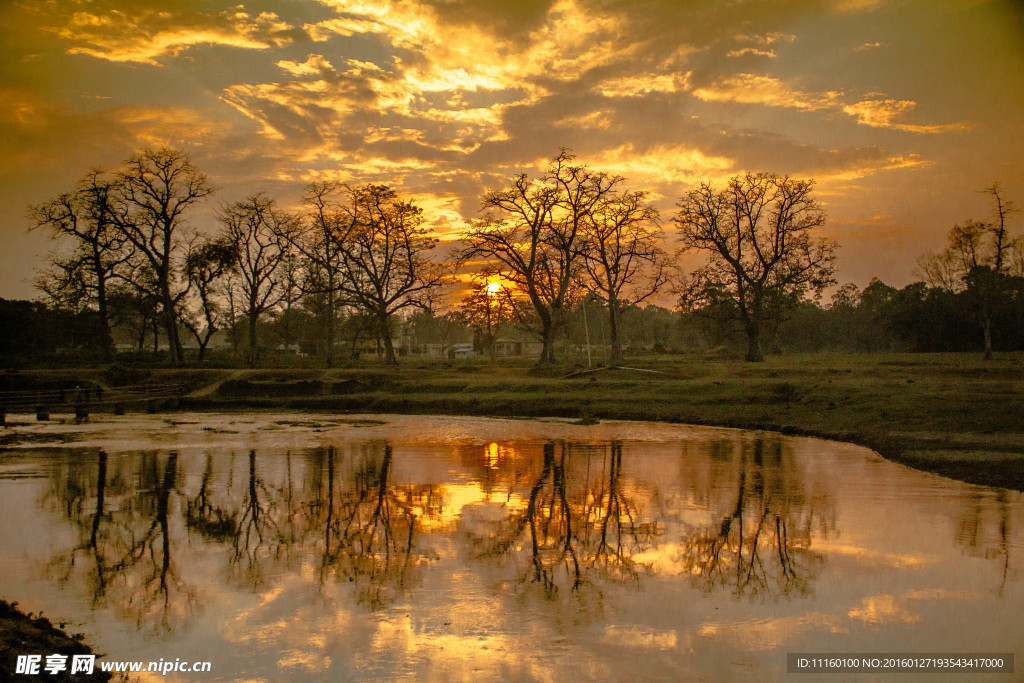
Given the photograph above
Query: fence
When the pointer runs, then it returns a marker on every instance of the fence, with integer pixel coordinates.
(83, 400)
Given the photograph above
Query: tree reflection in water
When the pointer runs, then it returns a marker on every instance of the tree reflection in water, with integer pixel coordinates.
(984, 529)
(128, 547)
(564, 519)
(761, 544)
(577, 524)
(367, 524)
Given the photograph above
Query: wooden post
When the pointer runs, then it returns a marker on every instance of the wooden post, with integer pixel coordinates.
(119, 408)
(42, 413)
(81, 411)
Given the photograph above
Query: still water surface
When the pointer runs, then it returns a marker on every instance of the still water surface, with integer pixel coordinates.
(285, 547)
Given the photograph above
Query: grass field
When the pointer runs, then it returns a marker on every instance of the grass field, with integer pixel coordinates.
(953, 414)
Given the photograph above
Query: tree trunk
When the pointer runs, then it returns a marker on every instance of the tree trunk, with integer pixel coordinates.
(988, 336)
(101, 303)
(613, 331)
(754, 354)
(170, 330)
(330, 320)
(547, 353)
(252, 339)
(175, 353)
(385, 339)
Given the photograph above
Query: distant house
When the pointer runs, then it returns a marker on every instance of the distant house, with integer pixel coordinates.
(460, 350)
(516, 347)
(464, 350)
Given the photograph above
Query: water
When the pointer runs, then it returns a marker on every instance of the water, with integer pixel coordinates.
(288, 547)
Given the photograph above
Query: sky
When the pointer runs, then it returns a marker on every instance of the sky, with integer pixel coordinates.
(902, 111)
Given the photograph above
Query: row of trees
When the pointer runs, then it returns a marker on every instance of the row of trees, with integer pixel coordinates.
(878, 317)
(359, 247)
(352, 260)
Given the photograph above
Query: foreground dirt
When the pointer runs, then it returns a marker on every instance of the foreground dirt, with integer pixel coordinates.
(22, 634)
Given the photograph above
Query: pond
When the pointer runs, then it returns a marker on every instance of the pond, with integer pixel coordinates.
(318, 547)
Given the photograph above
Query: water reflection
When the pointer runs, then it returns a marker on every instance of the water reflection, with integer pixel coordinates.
(761, 547)
(561, 515)
(729, 543)
(576, 522)
(124, 520)
(984, 529)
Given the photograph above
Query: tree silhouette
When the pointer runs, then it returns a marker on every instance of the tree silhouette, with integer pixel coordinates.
(759, 234)
(84, 215)
(534, 234)
(385, 258)
(155, 190)
(978, 259)
(207, 262)
(258, 231)
(318, 237)
(623, 259)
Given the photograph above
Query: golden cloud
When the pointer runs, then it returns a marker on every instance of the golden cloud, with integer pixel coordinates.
(632, 86)
(759, 45)
(664, 164)
(315, 65)
(883, 114)
(146, 37)
(767, 90)
(758, 52)
(908, 161)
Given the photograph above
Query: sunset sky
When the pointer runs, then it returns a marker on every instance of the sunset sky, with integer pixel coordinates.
(900, 110)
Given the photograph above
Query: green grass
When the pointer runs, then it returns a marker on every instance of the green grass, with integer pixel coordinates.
(953, 414)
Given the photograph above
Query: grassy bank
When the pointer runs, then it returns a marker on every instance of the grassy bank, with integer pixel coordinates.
(953, 414)
(26, 634)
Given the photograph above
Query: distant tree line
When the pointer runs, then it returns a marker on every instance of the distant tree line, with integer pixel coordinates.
(569, 260)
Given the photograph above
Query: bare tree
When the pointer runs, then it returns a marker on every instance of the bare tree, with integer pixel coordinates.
(258, 231)
(624, 261)
(318, 237)
(486, 307)
(977, 259)
(534, 236)
(207, 261)
(156, 189)
(85, 215)
(385, 257)
(759, 234)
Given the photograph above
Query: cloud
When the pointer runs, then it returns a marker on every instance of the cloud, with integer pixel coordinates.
(758, 52)
(446, 98)
(871, 167)
(641, 84)
(851, 6)
(748, 88)
(315, 65)
(759, 45)
(664, 164)
(883, 114)
(148, 36)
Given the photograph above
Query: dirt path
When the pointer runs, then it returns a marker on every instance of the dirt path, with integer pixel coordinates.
(211, 388)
